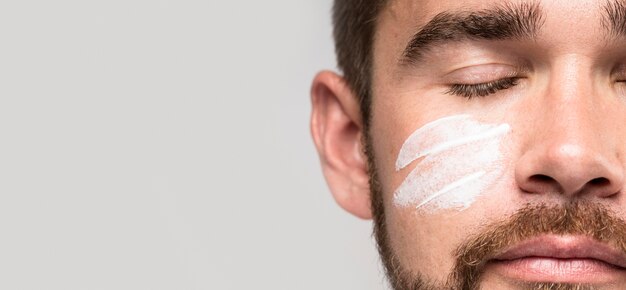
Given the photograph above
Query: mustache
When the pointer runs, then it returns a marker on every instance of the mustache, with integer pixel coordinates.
(576, 218)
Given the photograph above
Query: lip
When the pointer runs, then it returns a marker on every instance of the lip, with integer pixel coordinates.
(553, 258)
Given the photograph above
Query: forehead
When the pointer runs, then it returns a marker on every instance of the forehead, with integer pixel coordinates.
(423, 10)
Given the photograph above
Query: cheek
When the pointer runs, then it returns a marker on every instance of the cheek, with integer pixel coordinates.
(424, 243)
(457, 159)
(440, 172)
(451, 180)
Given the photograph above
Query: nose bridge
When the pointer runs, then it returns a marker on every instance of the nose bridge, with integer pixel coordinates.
(569, 113)
(568, 152)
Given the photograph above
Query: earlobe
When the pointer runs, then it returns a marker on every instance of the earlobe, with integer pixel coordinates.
(337, 129)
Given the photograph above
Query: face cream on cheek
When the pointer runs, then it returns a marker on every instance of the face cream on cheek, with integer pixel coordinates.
(460, 158)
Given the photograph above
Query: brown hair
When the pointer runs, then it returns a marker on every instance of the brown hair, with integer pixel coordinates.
(354, 25)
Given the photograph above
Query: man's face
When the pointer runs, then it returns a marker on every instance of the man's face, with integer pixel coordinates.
(498, 142)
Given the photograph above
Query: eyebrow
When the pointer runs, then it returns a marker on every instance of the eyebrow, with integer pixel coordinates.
(614, 18)
(512, 21)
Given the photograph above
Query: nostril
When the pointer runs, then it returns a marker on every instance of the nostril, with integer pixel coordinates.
(600, 181)
(540, 183)
(540, 178)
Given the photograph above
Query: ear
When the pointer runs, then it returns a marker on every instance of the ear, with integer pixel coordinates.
(336, 127)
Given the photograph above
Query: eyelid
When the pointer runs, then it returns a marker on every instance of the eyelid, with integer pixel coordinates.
(478, 74)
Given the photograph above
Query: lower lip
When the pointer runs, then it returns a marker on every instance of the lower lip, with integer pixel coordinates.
(543, 269)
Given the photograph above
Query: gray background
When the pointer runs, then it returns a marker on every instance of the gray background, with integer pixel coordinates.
(155, 144)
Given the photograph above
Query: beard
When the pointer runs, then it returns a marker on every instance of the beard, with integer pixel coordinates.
(574, 218)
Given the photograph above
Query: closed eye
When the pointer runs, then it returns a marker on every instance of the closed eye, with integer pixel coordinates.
(483, 89)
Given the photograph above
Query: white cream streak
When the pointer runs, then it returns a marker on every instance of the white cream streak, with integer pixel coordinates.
(416, 146)
(453, 186)
(461, 158)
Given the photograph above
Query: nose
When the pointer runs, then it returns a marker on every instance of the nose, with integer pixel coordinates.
(568, 167)
(571, 150)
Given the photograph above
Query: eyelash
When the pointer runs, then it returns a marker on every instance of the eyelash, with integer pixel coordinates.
(482, 90)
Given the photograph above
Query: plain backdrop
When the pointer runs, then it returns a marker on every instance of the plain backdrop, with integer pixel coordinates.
(164, 144)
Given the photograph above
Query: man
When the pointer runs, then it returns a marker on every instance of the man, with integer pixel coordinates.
(485, 138)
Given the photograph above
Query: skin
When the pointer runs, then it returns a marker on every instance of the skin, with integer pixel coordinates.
(566, 113)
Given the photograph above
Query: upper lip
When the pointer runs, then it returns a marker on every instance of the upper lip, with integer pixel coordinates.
(564, 247)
